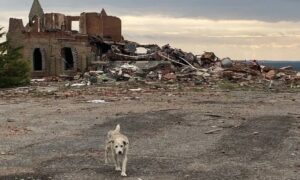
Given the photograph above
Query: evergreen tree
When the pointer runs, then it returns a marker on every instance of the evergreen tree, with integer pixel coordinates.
(14, 71)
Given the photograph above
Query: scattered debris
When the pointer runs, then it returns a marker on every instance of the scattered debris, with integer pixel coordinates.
(213, 115)
(10, 120)
(97, 101)
(78, 85)
(136, 90)
(287, 68)
(213, 131)
(255, 133)
(38, 80)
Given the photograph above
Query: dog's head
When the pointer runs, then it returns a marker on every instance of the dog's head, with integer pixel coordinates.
(119, 146)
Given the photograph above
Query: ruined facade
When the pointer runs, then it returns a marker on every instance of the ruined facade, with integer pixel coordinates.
(51, 45)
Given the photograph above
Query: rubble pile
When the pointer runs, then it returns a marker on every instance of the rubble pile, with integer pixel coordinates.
(137, 64)
(124, 62)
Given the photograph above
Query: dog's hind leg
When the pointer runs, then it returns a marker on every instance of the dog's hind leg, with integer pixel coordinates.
(106, 155)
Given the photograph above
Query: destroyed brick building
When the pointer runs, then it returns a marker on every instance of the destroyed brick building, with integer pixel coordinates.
(54, 48)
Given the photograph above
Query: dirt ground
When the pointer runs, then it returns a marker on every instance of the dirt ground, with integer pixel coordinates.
(213, 135)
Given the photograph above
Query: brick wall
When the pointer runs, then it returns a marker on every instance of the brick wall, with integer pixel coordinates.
(54, 21)
(105, 26)
(112, 28)
(51, 45)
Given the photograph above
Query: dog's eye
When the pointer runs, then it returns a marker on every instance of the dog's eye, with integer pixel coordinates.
(116, 146)
(121, 146)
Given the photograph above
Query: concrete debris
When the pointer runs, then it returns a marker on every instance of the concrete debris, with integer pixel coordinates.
(280, 75)
(255, 133)
(227, 63)
(287, 68)
(97, 101)
(130, 67)
(38, 80)
(271, 74)
(79, 85)
(208, 58)
(213, 131)
(136, 90)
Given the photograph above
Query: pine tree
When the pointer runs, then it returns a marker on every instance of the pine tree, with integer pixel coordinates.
(14, 71)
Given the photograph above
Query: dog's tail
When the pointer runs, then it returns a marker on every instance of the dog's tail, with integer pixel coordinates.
(118, 128)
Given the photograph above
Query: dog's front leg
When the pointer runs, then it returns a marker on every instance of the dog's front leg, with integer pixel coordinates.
(117, 164)
(124, 165)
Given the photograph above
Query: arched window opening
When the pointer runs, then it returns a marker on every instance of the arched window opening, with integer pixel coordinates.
(37, 60)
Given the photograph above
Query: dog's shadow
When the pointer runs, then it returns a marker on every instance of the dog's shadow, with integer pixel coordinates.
(107, 171)
(137, 167)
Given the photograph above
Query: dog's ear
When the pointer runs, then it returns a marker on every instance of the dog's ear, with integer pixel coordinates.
(125, 143)
(111, 141)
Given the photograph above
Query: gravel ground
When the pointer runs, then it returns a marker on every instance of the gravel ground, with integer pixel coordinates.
(173, 135)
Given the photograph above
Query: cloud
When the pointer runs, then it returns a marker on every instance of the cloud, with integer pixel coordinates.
(237, 37)
(263, 10)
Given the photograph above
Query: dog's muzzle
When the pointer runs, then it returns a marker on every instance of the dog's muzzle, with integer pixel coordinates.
(120, 152)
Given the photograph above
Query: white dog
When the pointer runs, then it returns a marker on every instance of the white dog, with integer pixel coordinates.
(118, 145)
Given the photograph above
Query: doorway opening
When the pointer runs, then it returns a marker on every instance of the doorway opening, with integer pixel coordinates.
(37, 60)
(68, 59)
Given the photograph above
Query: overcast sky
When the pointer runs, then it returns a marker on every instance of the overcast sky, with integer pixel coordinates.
(241, 29)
